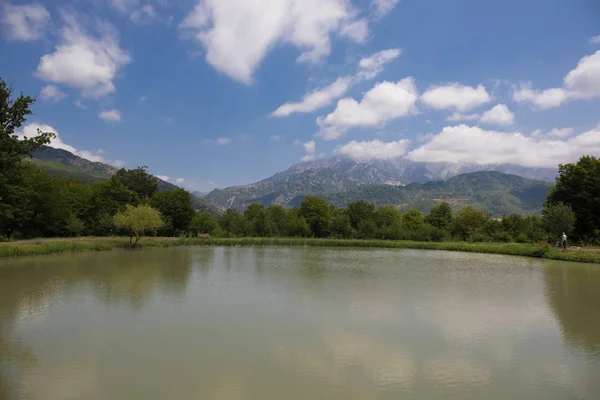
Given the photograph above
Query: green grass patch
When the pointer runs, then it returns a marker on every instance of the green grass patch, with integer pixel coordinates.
(53, 246)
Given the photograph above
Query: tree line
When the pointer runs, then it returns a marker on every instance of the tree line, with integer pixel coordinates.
(36, 204)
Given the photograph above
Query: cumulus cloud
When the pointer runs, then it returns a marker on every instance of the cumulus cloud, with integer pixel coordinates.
(275, 138)
(79, 104)
(51, 94)
(83, 61)
(472, 144)
(455, 96)
(583, 82)
(559, 133)
(222, 141)
(595, 40)
(456, 116)
(31, 130)
(137, 12)
(238, 34)
(384, 102)
(498, 115)
(373, 150)
(163, 177)
(110, 115)
(179, 181)
(368, 68)
(383, 7)
(24, 22)
(311, 151)
(541, 99)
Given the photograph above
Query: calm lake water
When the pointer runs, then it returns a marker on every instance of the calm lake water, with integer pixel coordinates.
(278, 324)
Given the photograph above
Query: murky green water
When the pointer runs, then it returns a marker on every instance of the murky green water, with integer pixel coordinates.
(274, 324)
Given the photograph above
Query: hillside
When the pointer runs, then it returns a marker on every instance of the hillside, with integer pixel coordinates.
(334, 175)
(64, 163)
(487, 190)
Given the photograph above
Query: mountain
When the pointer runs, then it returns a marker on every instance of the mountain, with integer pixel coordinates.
(64, 163)
(491, 191)
(339, 174)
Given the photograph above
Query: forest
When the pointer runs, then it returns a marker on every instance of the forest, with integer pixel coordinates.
(35, 204)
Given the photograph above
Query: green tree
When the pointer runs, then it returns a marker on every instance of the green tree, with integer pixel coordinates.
(578, 186)
(513, 224)
(412, 219)
(176, 206)
(340, 226)
(203, 223)
(467, 221)
(558, 218)
(13, 113)
(257, 217)
(317, 213)
(276, 219)
(360, 211)
(227, 220)
(387, 216)
(139, 181)
(138, 221)
(296, 225)
(440, 216)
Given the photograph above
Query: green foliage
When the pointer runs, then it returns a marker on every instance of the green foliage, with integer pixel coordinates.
(386, 217)
(276, 220)
(139, 181)
(440, 216)
(203, 223)
(340, 226)
(317, 213)
(412, 219)
(360, 211)
(467, 221)
(138, 221)
(296, 225)
(558, 218)
(258, 220)
(578, 186)
(227, 220)
(176, 206)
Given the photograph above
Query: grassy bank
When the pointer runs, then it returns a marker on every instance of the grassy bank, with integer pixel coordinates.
(53, 246)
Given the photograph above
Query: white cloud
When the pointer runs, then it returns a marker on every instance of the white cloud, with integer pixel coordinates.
(384, 102)
(211, 183)
(30, 130)
(222, 141)
(559, 133)
(275, 138)
(373, 150)
(456, 116)
(142, 99)
(296, 142)
(357, 31)
(137, 12)
(163, 177)
(368, 68)
(237, 34)
(117, 163)
(24, 22)
(110, 115)
(85, 62)
(51, 94)
(595, 40)
(316, 99)
(425, 137)
(540, 99)
(498, 115)
(475, 145)
(179, 181)
(383, 7)
(455, 96)
(311, 151)
(79, 104)
(583, 82)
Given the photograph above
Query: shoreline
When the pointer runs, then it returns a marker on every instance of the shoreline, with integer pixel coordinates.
(72, 245)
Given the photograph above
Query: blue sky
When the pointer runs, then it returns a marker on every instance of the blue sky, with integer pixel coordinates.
(214, 93)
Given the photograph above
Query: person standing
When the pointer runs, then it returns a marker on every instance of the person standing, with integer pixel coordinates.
(564, 241)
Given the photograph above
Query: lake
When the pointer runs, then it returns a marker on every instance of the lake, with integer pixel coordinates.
(298, 323)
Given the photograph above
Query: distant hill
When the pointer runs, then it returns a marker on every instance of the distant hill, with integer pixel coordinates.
(334, 176)
(491, 191)
(64, 163)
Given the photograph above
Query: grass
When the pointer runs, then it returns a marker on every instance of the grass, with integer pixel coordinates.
(53, 246)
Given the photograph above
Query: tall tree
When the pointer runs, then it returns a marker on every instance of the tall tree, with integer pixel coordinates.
(227, 220)
(256, 214)
(440, 216)
(412, 219)
(340, 226)
(467, 221)
(13, 113)
(176, 206)
(317, 213)
(558, 218)
(578, 186)
(139, 181)
(359, 211)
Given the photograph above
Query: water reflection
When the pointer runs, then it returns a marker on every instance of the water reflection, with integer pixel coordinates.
(274, 323)
(574, 295)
